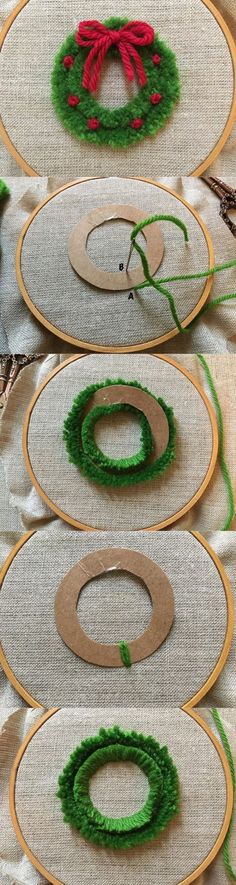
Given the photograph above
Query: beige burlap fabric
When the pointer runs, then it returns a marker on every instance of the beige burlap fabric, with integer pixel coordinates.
(112, 607)
(200, 46)
(14, 866)
(9, 518)
(215, 332)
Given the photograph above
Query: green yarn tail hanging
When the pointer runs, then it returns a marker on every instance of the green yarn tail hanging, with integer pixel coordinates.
(159, 284)
(125, 654)
(4, 194)
(4, 190)
(226, 847)
(223, 465)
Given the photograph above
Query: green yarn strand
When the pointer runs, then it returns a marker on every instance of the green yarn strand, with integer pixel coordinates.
(223, 465)
(146, 221)
(228, 752)
(159, 284)
(4, 190)
(211, 304)
(202, 274)
(156, 283)
(125, 654)
(4, 194)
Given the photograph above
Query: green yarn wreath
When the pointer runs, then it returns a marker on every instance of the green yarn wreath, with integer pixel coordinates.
(111, 745)
(85, 454)
(144, 115)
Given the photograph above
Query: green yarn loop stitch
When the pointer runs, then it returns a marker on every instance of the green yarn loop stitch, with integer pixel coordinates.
(115, 127)
(111, 745)
(85, 454)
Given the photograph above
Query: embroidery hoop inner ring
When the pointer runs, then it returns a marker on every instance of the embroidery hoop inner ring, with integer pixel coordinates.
(96, 276)
(96, 564)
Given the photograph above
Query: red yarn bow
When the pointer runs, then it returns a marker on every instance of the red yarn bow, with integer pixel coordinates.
(101, 38)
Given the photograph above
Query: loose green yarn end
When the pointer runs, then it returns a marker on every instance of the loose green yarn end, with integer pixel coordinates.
(125, 654)
(115, 127)
(4, 190)
(228, 752)
(223, 465)
(159, 284)
(4, 194)
(85, 455)
(111, 745)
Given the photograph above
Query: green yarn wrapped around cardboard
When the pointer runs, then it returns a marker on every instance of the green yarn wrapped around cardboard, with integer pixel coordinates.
(76, 74)
(88, 457)
(116, 745)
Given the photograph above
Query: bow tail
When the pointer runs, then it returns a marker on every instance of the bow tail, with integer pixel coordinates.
(92, 67)
(142, 78)
(88, 67)
(127, 63)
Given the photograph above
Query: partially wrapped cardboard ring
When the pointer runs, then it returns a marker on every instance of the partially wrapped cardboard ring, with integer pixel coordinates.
(123, 279)
(158, 434)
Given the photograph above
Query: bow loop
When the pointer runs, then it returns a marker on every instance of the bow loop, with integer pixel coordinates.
(100, 38)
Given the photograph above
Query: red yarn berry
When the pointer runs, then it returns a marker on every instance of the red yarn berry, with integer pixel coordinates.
(156, 59)
(68, 61)
(73, 100)
(137, 123)
(93, 123)
(155, 98)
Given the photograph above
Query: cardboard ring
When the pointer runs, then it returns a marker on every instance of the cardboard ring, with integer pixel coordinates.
(124, 279)
(94, 565)
(206, 162)
(156, 417)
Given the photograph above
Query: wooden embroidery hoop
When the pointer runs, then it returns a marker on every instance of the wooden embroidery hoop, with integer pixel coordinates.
(205, 863)
(220, 143)
(200, 694)
(170, 520)
(102, 348)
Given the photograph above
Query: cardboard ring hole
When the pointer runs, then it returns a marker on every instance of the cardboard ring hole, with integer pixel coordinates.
(122, 280)
(145, 402)
(94, 565)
